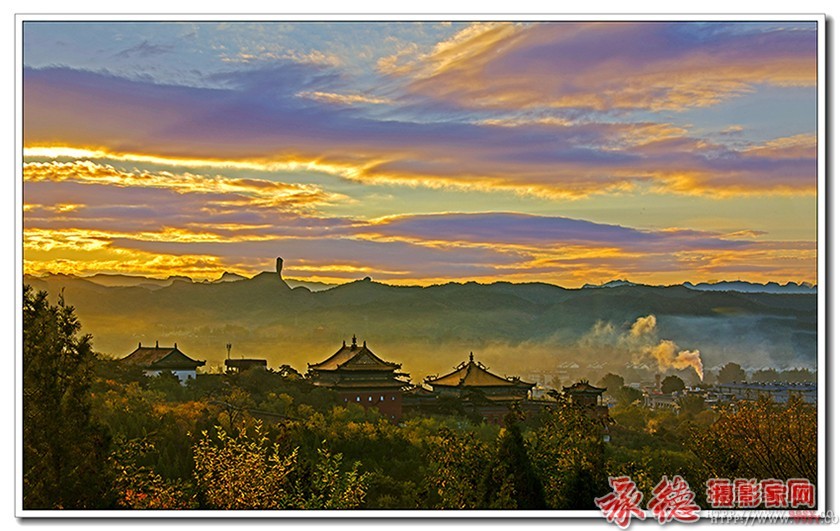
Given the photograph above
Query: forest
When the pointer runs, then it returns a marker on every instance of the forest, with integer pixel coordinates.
(100, 435)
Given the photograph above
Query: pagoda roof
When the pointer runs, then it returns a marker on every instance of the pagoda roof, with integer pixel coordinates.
(474, 374)
(583, 386)
(354, 357)
(162, 358)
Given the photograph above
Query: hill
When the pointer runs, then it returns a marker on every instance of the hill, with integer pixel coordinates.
(515, 328)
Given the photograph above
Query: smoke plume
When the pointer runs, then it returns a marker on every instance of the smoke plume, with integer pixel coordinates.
(642, 343)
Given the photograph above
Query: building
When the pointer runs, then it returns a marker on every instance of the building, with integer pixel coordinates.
(157, 359)
(479, 390)
(237, 365)
(360, 376)
(243, 364)
(584, 394)
(778, 391)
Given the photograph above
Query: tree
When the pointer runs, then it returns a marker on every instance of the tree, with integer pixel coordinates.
(671, 384)
(762, 439)
(247, 471)
(458, 462)
(512, 482)
(569, 456)
(612, 382)
(731, 373)
(765, 375)
(691, 404)
(627, 395)
(64, 451)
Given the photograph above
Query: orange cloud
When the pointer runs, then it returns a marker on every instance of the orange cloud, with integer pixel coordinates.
(343, 99)
(252, 191)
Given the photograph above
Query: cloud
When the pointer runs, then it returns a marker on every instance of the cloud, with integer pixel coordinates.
(261, 121)
(343, 99)
(145, 49)
(405, 249)
(254, 192)
(611, 65)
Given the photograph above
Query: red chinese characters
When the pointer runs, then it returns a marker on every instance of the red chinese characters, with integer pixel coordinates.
(622, 503)
(674, 500)
(747, 493)
(774, 492)
(800, 492)
(720, 493)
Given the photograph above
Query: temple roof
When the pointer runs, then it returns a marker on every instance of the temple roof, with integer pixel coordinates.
(158, 357)
(354, 358)
(474, 374)
(583, 386)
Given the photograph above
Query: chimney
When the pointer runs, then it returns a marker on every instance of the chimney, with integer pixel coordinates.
(139, 344)
(176, 345)
(354, 340)
(658, 383)
(279, 268)
(156, 344)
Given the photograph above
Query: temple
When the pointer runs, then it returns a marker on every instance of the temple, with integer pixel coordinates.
(476, 388)
(362, 377)
(157, 359)
(589, 399)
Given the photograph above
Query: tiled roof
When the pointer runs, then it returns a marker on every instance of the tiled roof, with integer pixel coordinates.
(584, 387)
(161, 358)
(355, 358)
(473, 374)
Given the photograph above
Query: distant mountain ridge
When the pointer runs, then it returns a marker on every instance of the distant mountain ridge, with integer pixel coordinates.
(751, 287)
(725, 285)
(121, 280)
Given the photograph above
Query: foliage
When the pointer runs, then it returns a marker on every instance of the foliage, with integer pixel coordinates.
(247, 471)
(765, 376)
(671, 384)
(612, 382)
(64, 449)
(762, 439)
(458, 464)
(140, 487)
(731, 373)
(691, 404)
(628, 395)
(568, 451)
(511, 481)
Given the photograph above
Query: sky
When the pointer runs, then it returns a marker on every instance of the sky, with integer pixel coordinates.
(422, 152)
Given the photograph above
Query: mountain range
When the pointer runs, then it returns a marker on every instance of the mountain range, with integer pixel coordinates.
(514, 328)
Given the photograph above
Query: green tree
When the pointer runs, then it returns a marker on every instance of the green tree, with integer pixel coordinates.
(628, 395)
(64, 451)
(765, 375)
(731, 373)
(612, 382)
(568, 453)
(671, 384)
(458, 463)
(512, 481)
(691, 404)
